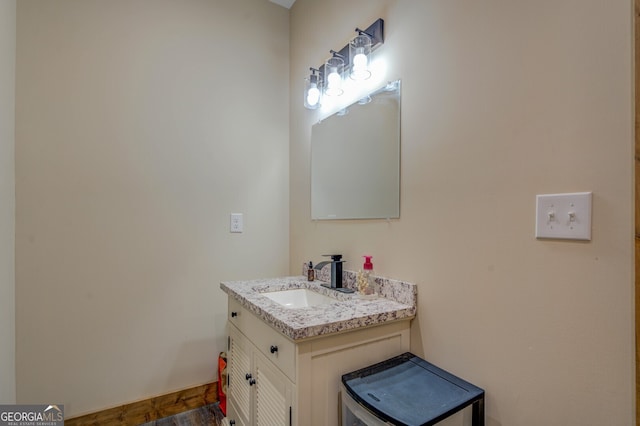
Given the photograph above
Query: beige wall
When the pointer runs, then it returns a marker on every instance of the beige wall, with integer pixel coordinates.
(501, 101)
(7, 201)
(141, 125)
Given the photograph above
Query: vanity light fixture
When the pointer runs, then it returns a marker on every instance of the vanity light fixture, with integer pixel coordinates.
(312, 90)
(352, 59)
(359, 50)
(334, 68)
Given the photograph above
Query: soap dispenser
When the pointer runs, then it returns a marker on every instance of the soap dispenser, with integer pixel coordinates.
(365, 278)
(311, 273)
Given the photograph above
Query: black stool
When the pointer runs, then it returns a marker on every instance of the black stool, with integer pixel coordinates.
(409, 391)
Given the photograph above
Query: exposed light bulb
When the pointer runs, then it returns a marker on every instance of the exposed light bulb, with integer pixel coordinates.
(334, 83)
(360, 61)
(313, 95)
(333, 79)
(359, 50)
(360, 70)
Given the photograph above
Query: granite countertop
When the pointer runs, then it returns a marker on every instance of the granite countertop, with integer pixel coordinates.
(396, 301)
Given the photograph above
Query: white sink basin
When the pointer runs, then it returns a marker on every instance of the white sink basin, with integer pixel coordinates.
(299, 298)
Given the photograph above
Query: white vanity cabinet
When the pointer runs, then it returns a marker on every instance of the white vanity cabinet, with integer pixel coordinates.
(274, 380)
(259, 392)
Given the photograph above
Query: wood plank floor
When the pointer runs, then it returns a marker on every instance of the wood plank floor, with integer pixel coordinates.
(149, 410)
(207, 415)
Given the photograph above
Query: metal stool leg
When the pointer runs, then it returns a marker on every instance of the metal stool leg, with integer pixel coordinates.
(477, 413)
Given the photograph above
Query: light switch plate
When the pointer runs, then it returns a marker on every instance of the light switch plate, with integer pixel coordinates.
(564, 216)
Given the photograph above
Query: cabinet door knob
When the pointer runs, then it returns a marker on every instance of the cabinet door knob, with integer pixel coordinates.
(273, 349)
(247, 376)
(232, 423)
(234, 314)
(252, 382)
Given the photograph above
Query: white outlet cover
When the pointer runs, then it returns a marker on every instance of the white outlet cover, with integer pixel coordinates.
(564, 216)
(236, 225)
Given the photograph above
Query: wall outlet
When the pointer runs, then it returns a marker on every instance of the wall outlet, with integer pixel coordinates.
(236, 224)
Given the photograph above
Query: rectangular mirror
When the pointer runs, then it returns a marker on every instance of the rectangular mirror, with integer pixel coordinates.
(355, 159)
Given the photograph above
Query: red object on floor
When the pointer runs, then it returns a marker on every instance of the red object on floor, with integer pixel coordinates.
(222, 381)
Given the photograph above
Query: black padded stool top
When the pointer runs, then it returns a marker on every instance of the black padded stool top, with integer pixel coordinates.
(409, 391)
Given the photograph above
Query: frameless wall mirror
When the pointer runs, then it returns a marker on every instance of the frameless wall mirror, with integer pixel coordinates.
(355, 159)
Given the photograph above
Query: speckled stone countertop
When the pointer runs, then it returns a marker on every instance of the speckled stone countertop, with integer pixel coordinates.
(396, 301)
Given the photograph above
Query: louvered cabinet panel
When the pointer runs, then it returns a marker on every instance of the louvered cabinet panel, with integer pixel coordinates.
(239, 389)
(273, 394)
(233, 418)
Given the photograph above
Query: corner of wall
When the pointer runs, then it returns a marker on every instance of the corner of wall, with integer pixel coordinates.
(7, 201)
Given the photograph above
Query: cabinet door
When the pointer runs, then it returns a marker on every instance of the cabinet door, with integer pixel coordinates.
(274, 392)
(233, 418)
(240, 378)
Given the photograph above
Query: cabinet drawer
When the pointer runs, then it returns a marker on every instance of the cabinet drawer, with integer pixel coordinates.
(270, 342)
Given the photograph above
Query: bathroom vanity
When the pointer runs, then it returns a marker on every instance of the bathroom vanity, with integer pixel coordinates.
(287, 351)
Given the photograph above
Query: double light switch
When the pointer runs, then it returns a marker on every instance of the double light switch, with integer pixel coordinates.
(564, 216)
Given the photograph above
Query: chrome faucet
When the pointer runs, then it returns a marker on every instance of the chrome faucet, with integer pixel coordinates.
(336, 272)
